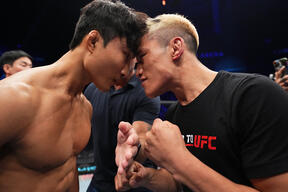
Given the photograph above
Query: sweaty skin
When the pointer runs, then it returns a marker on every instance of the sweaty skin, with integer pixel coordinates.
(41, 132)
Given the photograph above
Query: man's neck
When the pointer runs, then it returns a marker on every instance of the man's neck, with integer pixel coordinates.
(192, 79)
(70, 74)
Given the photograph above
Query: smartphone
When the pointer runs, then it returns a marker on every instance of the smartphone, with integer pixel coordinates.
(279, 63)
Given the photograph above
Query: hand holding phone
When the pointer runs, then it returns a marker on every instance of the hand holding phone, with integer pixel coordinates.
(279, 63)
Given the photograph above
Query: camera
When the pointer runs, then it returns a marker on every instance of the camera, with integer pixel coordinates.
(279, 63)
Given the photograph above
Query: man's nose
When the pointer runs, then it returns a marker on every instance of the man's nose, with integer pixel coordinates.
(139, 71)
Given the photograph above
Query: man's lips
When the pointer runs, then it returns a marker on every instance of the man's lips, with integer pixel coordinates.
(143, 81)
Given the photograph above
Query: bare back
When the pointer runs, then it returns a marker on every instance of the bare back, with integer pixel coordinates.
(42, 129)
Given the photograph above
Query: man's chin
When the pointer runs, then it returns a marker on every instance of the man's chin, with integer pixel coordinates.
(151, 93)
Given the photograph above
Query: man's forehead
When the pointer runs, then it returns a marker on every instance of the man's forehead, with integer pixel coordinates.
(124, 47)
(23, 59)
(146, 40)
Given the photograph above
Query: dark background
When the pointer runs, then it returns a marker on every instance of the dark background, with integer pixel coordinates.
(235, 35)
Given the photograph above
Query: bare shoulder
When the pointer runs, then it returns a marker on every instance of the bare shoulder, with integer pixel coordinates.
(16, 111)
(15, 93)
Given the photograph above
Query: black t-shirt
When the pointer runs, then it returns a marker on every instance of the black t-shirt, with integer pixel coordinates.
(109, 108)
(237, 126)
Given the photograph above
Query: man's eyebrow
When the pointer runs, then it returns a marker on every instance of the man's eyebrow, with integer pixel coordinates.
(24, 62)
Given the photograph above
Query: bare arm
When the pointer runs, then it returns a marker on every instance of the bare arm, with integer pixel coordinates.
(199, 177)
(278, 183)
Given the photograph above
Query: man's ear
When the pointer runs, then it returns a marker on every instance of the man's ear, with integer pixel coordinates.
(177, 47)
(93, 39)
(6, 68)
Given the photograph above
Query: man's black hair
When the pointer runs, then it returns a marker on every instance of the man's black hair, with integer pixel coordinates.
(111, 19)
(9, 57)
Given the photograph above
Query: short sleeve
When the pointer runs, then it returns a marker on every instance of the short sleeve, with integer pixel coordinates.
(262, 121)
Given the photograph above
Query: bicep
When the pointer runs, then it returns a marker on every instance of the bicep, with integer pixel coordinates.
(278, 183)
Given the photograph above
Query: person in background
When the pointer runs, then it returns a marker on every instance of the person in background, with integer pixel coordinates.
(281, 72)
(228, 131)
(282, 80)
(15, 61)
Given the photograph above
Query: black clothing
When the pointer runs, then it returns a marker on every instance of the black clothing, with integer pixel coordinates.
(237, 126)
(109, 108)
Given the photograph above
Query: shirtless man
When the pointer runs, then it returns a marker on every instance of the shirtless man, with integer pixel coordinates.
(44, 117)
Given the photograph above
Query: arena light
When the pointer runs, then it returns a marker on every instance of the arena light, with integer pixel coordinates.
(163, 2)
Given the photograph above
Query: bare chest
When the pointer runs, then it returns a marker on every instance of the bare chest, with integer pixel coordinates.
(59, 131)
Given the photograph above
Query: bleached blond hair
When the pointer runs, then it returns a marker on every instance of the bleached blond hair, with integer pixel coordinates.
(166, 26)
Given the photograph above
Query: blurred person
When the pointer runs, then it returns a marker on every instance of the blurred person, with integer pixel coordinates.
(281, 72)
(44, 117)
(280, 79)
(15, 61)
(126, 101)
(228, 131)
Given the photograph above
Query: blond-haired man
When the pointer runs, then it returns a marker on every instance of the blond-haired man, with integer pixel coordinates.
(227, 132)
